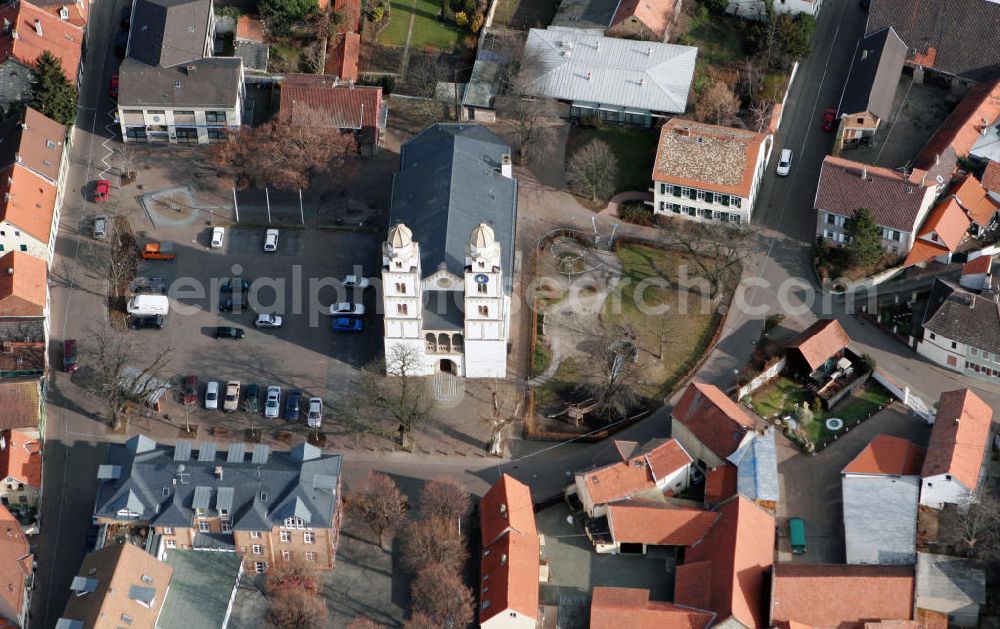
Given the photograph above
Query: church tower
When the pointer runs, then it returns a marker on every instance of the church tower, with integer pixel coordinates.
(486, 307)
(402, 299)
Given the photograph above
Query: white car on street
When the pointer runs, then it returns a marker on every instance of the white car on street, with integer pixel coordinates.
(218, 235)
(356, 281)
(784, 163)
(212, 395)
(271, 240)
(268, 321)
(272, 407)
(347, 309)
(315, 417)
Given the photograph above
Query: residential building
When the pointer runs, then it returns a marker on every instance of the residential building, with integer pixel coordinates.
(945, 229)
(269, 507)
(971, 122)
(249, 43)
(28, 31)
(20, 467)
(981, 208)
(170, 87)
(19, 359)
(871, 86)
(24, 302)
(202, 590)
(953, 588)
(119, 585)
(618, 608)
(483, 88)
(977, 273)
(944, 37)
(709, 425)
(823, 343)
(657, 468)
(957, 454)
(346, 53)
(33, 164)
(991, 179)
(316, 100)
(898, 202)
(840, 595)
(21, 404)
(707, 172)
(881, 490)
(447, 270)
(752, 472)
(17, 571)
(644, 19)
(75, 12)
(726, 571)
(636, 524)
(510, 565)
(612, 80)
(961, 330)
(757, 9)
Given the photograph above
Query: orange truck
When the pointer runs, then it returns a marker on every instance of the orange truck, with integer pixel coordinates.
(159, 251)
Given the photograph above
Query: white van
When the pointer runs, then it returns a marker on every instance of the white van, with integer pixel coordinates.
(146, 305)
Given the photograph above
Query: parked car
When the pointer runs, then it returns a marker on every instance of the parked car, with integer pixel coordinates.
(347, 324)
(212, 395)
(69, 356)
(797, 535)
(232, 401)
(159, 251)
(100, 226)
(315, 416)
(218, 234)
(271, 240)
(150, 285)
(190, 391)
(355, 281)
(113, 87)
(240, 285)
(229, 332)
(101, 189)
(829, 118)
(232, 304)
(347, 309)
(272, 403)
(152, 322)
(268, 321)
(784, 163)
(252, 402)
(292, 409)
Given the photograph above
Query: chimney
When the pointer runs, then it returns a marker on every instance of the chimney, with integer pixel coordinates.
(506, 169)
(191, 69)
(503, 557)
(864, 54)
(218, 472)
(864, 173)
(503, 509)
(10, 270)
(684, 132)
(589, 75)
(38, 28)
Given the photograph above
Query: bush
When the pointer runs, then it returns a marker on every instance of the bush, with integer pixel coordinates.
(462, 19)
(637, 213)
(376, 13)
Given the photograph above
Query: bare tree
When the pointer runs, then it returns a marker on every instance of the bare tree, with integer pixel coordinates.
(297, 609)
(717, 250)
(423, 75)
(127, 153)
(420, 620)
(444, 499)
(505, 409)
(127, 373)
(440, 593)
(592, 171)
(363, 622)
(123, 257)
(530, 118)
(615, 370)
(718, 105)
(294, 574)
(976, 533)
(423, 544)
(391, 388)
(380, 504)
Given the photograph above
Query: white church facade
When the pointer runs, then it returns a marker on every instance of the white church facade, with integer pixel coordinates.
(447, 262)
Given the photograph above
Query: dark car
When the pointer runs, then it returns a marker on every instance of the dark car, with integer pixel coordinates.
(150, 285)
(152, 321)
(292, 402)
(113, 87)
(231, 304)
(69, 356)
(190, 391)
(121, 43)
(229, 332)
(126, 17)
(227, 286)
(252, 402)
(829, 117)
(346, 324)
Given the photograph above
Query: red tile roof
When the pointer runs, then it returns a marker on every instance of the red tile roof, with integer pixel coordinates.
(720, 483)
(820, 342)
(23, 288)
(978, 265)
(959, 438)
(964, 126)
(740, 551)
(304, 96)
(507, 505)
(649, 522)
(713, 418)
(630, 608)
(250, 28)
(350, 13)
(342, 60)
(21, 458)
(22, 357)
(655, 15)
(62, 39)
(973, 198)
(19, 403)
(945, 228)
(510, 550)
(888, 455)
(78, 11)
(15, 564)
(639, 472)
(841, 595)
(991, 176)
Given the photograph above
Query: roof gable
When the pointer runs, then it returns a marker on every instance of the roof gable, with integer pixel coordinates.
(507, 505)
(815, 594)
(21, 456)
(991, 176)
(715, 420)
(963, 316)
(169, 32)
(712, 157)
(648, 522)
(875, 70)
(959, 438)
(510, 558)
(638, 471)
(16, 562)
(39, 31)
(618, 608)
(964, 126)
(820, 342)
(23, 285)
(888, 455)
(654, 15)
(972, 196)
(320, 100)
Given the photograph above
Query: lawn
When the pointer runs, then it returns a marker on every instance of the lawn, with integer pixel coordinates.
(560, 386)
(721, 39)
(428, 32)
(635, 149)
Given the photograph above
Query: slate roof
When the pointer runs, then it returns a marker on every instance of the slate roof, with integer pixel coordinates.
(880, 518)
(200, 590)
(621, 608)
(888, 455)
(301, 482)
(649, 522)
(638, 471)
(964, 126)
(874, 76)
(947, 36)
(756, 464)
(961, 315)
(643, 76)
(960, 438)
(816, 594)
(894, 199)
(510, 559)
(948, 584)
(820, 342)
(449, 182)
(718, 422)
(23, 288)
(19, 404)
(169, 32)
(213, 82)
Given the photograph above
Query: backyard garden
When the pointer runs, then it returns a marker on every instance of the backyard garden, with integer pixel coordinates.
(634, 150)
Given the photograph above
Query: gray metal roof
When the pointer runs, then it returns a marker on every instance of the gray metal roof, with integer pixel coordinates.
(169, 32)
(483, 84)
(224, 499)
(568, 64)
(871, 84)
(448, 183)
(756, 464)
(182, 450)
(285, 476)
(206, 451)
(201, 589)
(212, 82)
(947, 584)
(880, 518)
(254, 55)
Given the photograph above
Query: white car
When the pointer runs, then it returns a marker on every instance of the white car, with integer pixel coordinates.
(355, 281)
(347, 309)
(218, 234)
(271, 240)
(784, 163)
(268, 321)
(272, 407)
(315, 417)
(212, 395)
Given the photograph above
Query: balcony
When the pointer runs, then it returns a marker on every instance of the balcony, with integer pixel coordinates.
(444, 343)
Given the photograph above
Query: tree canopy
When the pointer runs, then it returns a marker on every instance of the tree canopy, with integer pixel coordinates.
(52, 94)
(865, 246)
(285, 13)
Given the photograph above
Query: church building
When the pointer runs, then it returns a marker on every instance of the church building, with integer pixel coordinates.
(448, 259)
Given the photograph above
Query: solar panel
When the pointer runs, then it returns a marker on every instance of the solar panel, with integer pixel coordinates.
(202, 496)
(206, 451)
(325, 481)
(236, 453)
(260, 454)
(182, 450)
(109, 472)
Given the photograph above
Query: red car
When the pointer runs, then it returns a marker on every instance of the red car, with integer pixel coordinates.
(829, 118)
(190, 390)
(101, 189)
(69, 356)
(113, 88)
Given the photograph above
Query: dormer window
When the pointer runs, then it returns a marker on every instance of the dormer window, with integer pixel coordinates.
(63, 13)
